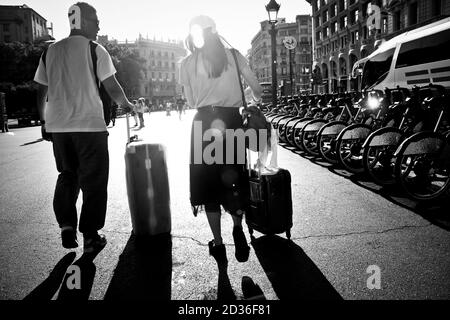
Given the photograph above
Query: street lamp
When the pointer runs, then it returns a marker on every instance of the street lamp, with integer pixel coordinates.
(272, 10)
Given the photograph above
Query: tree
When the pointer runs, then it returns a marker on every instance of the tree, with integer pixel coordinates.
(129, 67)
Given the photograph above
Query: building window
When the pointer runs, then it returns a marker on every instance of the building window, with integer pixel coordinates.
(354, 17)
(325, 32)
(412, 14)
(325, 16)
(355, 37)
(6, 27)
(343, 22)
(397, 21)
(384, 26)
(333, 10)
(436, 8)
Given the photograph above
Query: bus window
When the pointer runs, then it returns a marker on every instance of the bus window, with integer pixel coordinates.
(377, 68)
(428, 49)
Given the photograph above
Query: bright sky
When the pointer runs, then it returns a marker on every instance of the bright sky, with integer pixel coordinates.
(237, 20)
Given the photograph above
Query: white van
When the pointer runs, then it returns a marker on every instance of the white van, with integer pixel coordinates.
(414, 58)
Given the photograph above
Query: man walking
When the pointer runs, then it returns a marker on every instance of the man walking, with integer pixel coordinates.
(73, 119)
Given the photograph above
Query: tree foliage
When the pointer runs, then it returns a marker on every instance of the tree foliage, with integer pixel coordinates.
(19, 61)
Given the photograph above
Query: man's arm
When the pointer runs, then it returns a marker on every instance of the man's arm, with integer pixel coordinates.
(41, 98)
(115, 91)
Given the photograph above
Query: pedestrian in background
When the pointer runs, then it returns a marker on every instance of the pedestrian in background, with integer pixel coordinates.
(140, 111)
(211, 85)
(73, 119)
(3, 114)
(168, 107)
(134, 113)
(180, 104)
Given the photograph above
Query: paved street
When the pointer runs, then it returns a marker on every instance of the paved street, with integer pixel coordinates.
(341, 227)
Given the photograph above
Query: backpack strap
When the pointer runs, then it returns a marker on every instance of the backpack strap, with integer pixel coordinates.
(93, 46)
(233, 52)
(44, 57)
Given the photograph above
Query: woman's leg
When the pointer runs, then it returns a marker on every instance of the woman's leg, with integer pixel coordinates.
(237, 221)
(213, 214)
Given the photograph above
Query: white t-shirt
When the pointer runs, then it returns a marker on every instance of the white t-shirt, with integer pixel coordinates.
(74, 104)
(222, 91)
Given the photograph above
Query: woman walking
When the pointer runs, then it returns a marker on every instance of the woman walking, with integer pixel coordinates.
(211, 85)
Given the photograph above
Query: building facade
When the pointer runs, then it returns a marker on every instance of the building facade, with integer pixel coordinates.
(159, 81)
(348, 30)
(22, 24)
(292, 64)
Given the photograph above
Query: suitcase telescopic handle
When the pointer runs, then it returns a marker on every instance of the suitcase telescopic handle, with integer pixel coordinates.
(128, 127)
(129, 137)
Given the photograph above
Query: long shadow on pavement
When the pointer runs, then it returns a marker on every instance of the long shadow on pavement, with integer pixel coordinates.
(47, 289)
(293, 274)
(224, 289)
(32, 142)
(144, 270)
(73, 289)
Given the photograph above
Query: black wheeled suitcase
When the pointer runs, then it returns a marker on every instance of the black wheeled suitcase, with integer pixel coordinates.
(270, 207)
(147, 187)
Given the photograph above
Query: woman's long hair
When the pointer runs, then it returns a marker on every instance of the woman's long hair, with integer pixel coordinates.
(213, 53)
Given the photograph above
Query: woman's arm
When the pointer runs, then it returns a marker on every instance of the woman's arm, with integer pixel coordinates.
(184, 79)
(249, 77)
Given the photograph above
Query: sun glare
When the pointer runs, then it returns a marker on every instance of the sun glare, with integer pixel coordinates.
(197, 36)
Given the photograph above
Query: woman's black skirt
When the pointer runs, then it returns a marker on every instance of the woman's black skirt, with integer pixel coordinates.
(218, 174)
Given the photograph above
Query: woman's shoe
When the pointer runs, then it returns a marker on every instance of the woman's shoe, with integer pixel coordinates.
(240, 242)
(218, 252)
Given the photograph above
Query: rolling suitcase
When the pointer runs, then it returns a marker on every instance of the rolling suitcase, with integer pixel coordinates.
(270, 202)
(147, 187)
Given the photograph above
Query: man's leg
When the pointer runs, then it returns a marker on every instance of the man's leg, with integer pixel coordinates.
(92, 148)
(67, 187)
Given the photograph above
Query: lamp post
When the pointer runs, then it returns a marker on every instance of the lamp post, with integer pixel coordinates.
(272, 9)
